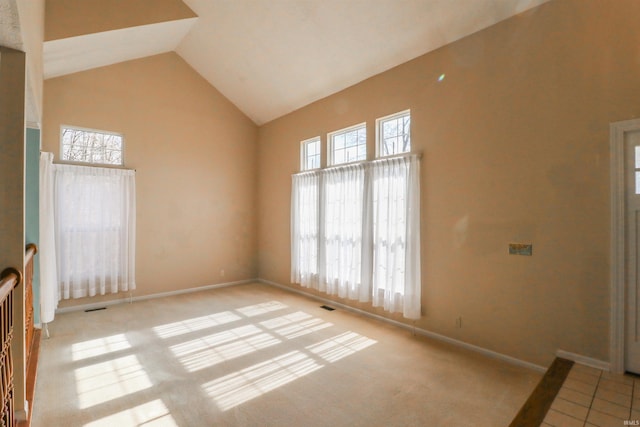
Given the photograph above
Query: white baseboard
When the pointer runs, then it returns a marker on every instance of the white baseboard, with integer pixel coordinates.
(420, 331)
(584, 360)
(122, 300)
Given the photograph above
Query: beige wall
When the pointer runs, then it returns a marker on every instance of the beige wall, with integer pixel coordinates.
(515, 147)
(195, 156)
(12, 197)
(69, 18)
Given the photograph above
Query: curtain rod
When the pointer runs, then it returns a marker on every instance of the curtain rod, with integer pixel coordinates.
(85, 165)
(361, 162)
(89, 165)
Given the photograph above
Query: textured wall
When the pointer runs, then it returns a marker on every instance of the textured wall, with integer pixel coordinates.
(195, 156)
(515, 144)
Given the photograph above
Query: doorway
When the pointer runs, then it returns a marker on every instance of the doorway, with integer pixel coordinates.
(625, 246)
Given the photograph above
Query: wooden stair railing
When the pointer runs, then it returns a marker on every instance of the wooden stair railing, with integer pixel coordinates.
(31, 335)
(31, 250)
(9, 280)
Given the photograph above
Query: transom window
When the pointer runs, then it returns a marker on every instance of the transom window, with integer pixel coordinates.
(394, 134)
(91, 146)
(348, 145)
(310, 154)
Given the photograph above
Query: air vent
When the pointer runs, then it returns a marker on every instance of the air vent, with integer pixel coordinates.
(95, 309)
(326, 307)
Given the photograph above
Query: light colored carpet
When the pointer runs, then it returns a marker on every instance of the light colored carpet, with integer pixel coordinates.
(254, 355)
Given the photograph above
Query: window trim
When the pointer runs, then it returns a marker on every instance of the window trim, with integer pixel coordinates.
(379, 122)
(303, 153)
(331, 135)
(84, 129)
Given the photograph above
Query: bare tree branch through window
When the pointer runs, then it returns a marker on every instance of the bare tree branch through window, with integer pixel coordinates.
(394, 134)
(89, 146)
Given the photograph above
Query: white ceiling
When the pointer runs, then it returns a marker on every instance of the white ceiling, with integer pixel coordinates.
(81, 53)
(10, 25)
(271, 57)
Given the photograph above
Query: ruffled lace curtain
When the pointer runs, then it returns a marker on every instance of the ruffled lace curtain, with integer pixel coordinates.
(355, 232)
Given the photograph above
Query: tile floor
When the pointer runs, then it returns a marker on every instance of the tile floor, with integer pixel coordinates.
(591, 397)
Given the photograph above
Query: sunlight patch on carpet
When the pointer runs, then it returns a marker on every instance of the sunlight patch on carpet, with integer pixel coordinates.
(340, 346)
(101, 382)
(195, 324)
(153, 413)
(99, 347)
(210, 350)
(239, 387)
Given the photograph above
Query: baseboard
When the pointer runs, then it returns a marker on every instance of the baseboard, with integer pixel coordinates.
(584, 360)
(420, 331)
(91, 306)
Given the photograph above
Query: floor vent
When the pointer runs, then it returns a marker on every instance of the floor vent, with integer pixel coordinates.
(95, 309)
(326, 307)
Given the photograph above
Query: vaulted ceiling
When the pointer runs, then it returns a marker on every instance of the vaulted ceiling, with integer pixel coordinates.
(269, 57)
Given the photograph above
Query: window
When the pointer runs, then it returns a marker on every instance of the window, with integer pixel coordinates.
(310, 154)
(355, 229)
(95, 213)
(348, 145)
(91, 146)
(394, 134)
(361, 238)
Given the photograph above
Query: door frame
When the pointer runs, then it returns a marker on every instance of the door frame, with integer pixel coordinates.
(617, 133)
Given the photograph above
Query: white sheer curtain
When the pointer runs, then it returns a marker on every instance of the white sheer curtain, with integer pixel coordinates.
(396, 235)
(95, 230)
(304, 232)
(342, 221)
(362, 239)
(49, 295)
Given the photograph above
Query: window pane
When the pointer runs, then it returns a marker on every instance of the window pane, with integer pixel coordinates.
(310, 154)
(348, 145)
(637, 182)
(389, 129)
(87, 146)
(352, 139)
(315, 162)
(313, 148)
(394, 134)
(352, 154)
(637, 148)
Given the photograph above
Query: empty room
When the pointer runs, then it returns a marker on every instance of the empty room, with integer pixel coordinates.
(320, 212)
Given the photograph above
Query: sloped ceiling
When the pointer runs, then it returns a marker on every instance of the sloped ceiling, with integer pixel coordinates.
(273, 57)
(80, 53)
